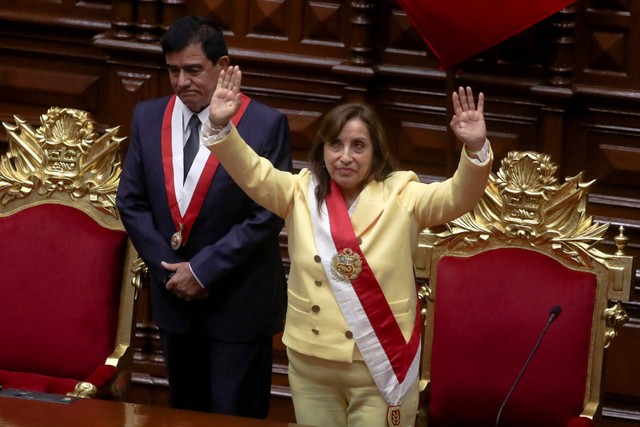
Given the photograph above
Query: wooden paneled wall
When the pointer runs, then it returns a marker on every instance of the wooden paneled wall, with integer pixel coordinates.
(569, 86)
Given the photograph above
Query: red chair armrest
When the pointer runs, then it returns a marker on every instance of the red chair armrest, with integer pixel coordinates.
(582, 422)
(102, 376)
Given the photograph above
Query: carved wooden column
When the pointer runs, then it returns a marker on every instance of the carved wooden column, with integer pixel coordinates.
(363, 27)
(147, 20)
(122, 21)
(557, 90)
(562, 64)
(358, 69)
(172, 10)
(148, 384)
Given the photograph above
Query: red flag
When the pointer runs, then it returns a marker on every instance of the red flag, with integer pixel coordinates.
(458, 29)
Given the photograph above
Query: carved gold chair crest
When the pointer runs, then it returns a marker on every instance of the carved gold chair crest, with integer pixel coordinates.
(493, 277)
(70, 274)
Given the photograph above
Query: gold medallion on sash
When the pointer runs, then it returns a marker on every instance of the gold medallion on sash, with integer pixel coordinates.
(346, 265)
(176, 238)
(393, 416)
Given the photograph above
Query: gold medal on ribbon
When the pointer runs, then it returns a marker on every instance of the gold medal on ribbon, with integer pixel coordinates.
(393, 416)
(176, 239)
(346, 265)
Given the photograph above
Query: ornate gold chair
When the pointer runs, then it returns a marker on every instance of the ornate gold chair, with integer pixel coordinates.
(69, 274)
(494, 353)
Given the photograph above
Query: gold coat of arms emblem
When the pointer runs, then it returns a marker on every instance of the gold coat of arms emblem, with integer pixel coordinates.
(346, 265)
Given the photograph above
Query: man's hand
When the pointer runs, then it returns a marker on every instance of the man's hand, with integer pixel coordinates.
(183, 284)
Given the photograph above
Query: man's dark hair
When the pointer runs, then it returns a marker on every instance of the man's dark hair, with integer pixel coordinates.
(195, 29)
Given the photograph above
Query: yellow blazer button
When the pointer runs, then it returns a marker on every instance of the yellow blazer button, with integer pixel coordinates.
(315, 331)
(348, 334)
(318, 282)
(315, 308)
(317, 258)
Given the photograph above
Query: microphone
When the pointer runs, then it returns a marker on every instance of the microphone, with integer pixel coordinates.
(553, 315)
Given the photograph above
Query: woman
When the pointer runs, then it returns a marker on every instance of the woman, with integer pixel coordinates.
(352, 329)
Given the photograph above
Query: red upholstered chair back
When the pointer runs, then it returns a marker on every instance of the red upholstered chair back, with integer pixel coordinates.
(66, 294)
(60, 291)
(493, 277)
(490, 310)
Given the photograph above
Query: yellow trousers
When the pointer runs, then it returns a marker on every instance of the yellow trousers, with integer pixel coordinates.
(336, 394)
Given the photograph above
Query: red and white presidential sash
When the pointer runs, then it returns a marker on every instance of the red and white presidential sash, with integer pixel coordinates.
(186, 205)
(392, 362)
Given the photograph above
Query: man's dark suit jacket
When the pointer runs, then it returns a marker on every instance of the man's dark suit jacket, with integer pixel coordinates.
(233, 247)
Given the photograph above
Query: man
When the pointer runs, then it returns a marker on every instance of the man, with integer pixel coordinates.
(218, 289)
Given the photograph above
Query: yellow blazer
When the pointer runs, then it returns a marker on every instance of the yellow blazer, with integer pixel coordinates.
(387, 220)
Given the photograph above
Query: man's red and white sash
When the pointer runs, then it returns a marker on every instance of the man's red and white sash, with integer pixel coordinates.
(392, 362)
(186, 203)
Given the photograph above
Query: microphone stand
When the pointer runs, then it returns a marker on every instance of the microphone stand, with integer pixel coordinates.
(555, 312)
